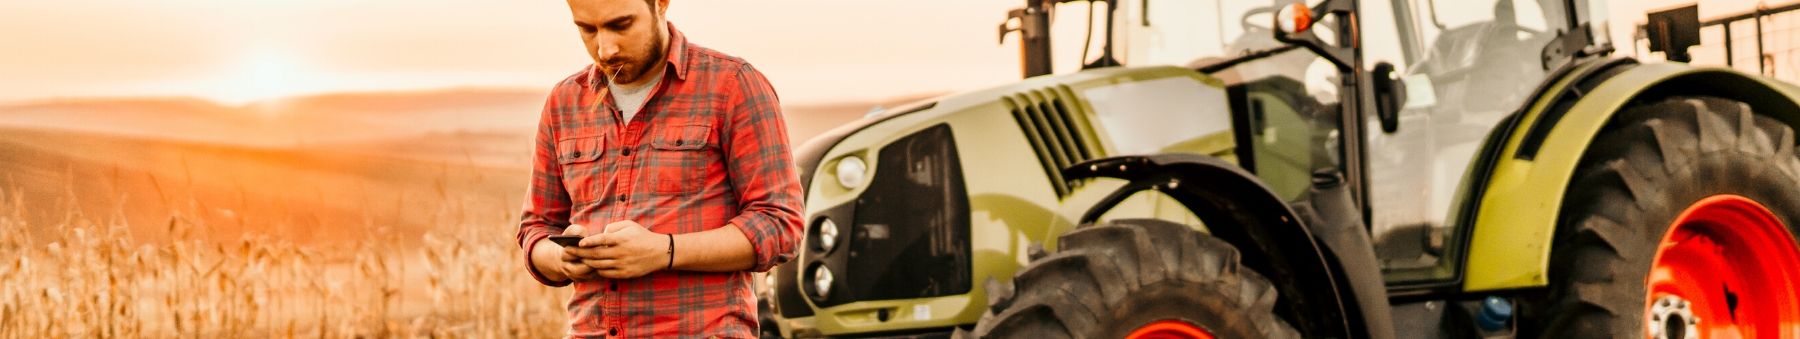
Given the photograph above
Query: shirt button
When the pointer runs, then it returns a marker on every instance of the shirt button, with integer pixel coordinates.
(613, 331)
(615, 286)
(622, 198)
(625, 152)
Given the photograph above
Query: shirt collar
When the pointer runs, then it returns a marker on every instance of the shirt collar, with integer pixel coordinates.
(676, 57)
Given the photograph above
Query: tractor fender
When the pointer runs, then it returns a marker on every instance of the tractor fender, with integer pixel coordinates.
(1518, 186)
(1338, 297)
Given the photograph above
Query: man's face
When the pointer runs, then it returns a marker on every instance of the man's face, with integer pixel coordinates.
(625, 37)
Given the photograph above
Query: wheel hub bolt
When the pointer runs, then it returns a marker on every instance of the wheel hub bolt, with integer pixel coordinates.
(1672, 317)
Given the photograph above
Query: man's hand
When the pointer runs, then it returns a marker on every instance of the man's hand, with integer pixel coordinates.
(570, 265)
(625, 250)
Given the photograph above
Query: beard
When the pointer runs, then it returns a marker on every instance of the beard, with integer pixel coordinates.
(625, 70)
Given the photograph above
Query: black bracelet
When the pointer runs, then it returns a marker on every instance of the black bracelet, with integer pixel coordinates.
(671, 252)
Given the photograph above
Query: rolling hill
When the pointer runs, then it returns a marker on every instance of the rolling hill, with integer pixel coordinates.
(313, 169)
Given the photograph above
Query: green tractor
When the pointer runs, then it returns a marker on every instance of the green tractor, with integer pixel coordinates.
(1344, 169)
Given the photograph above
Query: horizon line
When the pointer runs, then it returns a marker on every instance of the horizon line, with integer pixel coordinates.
(68, 99)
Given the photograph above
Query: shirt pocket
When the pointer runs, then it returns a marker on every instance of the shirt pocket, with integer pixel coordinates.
(579, 157)
(680, 158)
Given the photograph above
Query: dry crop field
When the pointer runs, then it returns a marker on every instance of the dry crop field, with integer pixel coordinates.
(428, 256)
(85, 278)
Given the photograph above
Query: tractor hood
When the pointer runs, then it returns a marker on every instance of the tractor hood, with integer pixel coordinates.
(809, 155)
(1044, 123)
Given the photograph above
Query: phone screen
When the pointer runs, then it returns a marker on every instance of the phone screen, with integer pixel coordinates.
(566, 240)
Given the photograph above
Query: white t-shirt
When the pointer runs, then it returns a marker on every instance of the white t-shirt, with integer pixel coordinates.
(632, 99)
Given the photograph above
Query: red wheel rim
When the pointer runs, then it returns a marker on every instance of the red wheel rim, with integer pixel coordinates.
(1169, 329)
(1727, 268)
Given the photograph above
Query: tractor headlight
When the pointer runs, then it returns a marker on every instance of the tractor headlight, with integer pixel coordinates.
(822, 281)
(851, 171)
(828, 234)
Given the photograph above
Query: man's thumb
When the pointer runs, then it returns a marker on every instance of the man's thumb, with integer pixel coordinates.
(574, 230)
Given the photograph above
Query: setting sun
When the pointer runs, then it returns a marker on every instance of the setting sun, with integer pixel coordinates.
(261, 75)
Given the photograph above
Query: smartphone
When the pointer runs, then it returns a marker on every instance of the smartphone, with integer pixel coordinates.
(566, 240)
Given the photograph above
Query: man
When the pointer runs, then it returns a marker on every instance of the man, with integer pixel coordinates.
(672, 161)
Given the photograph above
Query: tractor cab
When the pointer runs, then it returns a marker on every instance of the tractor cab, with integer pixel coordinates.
(1399, 105)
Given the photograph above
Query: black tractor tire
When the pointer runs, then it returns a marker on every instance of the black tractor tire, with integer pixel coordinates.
(1641, 172)
(1112, 278)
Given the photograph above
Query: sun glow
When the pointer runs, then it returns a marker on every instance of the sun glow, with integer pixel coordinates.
(261, 75)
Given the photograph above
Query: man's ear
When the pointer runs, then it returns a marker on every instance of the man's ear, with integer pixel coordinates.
(662, 7)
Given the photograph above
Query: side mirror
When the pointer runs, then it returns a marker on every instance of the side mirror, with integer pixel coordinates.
(1390, 95)
(1673, 31)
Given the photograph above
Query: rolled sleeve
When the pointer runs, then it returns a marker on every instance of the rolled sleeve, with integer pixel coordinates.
(762, 171)
(771, 239)
(546, 210)
(531, 245)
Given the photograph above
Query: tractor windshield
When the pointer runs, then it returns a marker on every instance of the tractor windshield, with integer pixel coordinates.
(1172, 36)
(1176, 32)
(1158, 32)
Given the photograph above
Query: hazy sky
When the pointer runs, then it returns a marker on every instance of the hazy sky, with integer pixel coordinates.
(242, 50)
(237, 51)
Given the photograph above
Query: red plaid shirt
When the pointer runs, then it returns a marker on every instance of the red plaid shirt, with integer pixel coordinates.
(708, 149)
